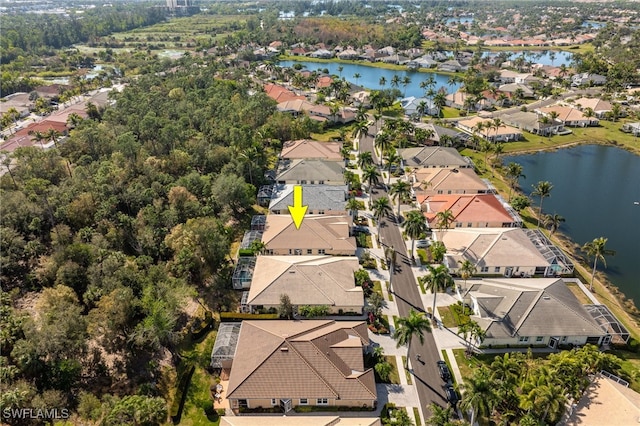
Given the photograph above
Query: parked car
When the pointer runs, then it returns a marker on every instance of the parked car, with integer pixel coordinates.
(443, 369)
(452, 395)
(362, 229)
(422, 243)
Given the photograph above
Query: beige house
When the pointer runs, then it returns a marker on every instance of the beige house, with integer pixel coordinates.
(433, 157)
(307, 280)
(447, 181)
(598, 106)
(311, 150)
(534, 311)
(300, 172)
(318, 234)
(469, 211)
(503, 133)
(569, 116)
(504, 251)
(293, 363)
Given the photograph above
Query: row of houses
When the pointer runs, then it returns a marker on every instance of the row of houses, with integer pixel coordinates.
(290, 363)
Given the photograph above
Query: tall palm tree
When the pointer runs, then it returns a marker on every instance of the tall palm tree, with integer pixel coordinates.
(380, 208)
(382, 142)
(406, 80)
(440, 101)
(598, 250)
(466, 270)
(478, 396)
(382, 82)
(444, 219)
(514, 173)
(496, 123)
(413, 325)
(353, 206)
(357, 76)
(365, 159)
(371, 175)
(361, 128)
(543, 190)
(415, 226)
(395, 81)
(393, 159)
(437, 280)
(553, 222)
(400, 192)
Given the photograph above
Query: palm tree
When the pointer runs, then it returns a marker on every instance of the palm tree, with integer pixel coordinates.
(543, 190)
(478, 396)
(415, 226)
(400, 192)
(553, 222)
(393, 159)
(365, 159)
(406, 80)
(353, 206)
(360, 128)
(382, 142)
(486, 147)
(597, 248)
(471, 330)
(496, 124)
(444, 219)
(514, 173)
(380, 208)
(251, 156)
(413, 325)
(371, 175)
(340, 69)
(466, 270)
(357, 77)
(437, 280)
(395, 81)
(382, 82)
(440, 101)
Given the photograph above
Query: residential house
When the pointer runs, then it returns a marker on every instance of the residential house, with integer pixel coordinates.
(320, 199)
(308, 281)
(469, 211)
(425, 61)
(447, 181)
(569, 116)
(633, 128)
(281, 94)
(462, 100)
(297, 363)
(531, 312)
(19, 101)
(512, 88)
(301, 171)
(361, 98)
(308, 149)
(504, 251)
(321, 54)
(295, 107)
(433, 157)
(348, 54)
(318, 234)
(27, 136)
(586, 78)
(417, 107)
(503, 133)
(598, 106)
(327, 420)
(530, 121)
(452, 65)
(442, 136)
(298, 51)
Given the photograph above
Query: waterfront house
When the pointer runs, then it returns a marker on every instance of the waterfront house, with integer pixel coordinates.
(530, 121)
(430, 181)
(469, 211)
(318, 234)
(521, 312)
(296, 363)
(301, 171)
(633, 128)
(308, 281)
(308, 149)
(503, 133)
(417, 107)
(569, 116)
(598, 106)
(439, 157)
(586, 78)
(281, 94)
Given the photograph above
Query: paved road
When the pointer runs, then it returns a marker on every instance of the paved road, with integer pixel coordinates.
(425, 373)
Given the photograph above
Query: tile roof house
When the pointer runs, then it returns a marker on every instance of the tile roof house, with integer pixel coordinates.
(300, 171)
(447, 181)
(504, 133)
(530, 121)
(321, 199)
(412, 106)
(319, 234)
(433, 157)
(328, 420)
(281, 94)
(598, 106)
(569, 116)
(292, 363)
(26, 137)
(533, 311)
(504, 251)
(307, 280)
(470, 211)
(309, 149)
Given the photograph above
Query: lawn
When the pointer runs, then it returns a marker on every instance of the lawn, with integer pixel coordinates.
(578, 293)
(631, 366)
(394, 377)
(447, 317)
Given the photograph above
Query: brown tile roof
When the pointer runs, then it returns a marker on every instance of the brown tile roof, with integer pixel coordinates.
(307, 149)
(316, 232)
(280, 94)
(307, 280)
(466, 208)
(566, 113)
(24, 137)
(597, 105)
(296, 359)
(430, 181)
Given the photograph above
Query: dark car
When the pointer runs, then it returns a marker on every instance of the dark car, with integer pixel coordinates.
(443, 369)
(452, 395)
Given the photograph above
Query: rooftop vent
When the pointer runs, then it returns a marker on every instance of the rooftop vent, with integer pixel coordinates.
(284, 349)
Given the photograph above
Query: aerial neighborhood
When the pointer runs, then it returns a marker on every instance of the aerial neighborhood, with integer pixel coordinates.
(254, 214)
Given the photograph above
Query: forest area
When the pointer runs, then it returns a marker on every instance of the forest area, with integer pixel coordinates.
(110, 238)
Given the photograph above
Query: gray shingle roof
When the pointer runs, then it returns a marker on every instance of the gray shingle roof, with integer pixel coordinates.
(317, 197)
(310, 170)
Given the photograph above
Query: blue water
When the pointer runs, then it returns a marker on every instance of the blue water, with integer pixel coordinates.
(542, 56)
(370, 76)
(460, 20)
(594, 189)
(593, 24)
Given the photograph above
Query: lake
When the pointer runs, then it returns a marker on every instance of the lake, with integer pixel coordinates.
(544, 57)
(370, 76)
(594, 189)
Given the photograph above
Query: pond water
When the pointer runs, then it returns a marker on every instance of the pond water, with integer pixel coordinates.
(544, 57)
(595, 189)
(370, 76)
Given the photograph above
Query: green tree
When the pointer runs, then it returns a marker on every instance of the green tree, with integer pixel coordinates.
(543, 190)
(392, 159)
(478, 396)
(438, 250)
(553, 222)
(413, 325)
(383, 370)
(285, 309)
(415, 226)
(466, 270)
(353, 206)
(365, 159)
(514, 173)
(436, 281)
(137, 410)
(520, 202)
(400, 191)
(444, 219)
(598, 250)
(380, 208)
(371, 175)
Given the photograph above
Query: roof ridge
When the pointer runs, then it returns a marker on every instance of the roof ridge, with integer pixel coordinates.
(311, 367)
(528, 311)
(312, 282)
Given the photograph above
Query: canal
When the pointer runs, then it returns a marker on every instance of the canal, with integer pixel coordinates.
(595, 189)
